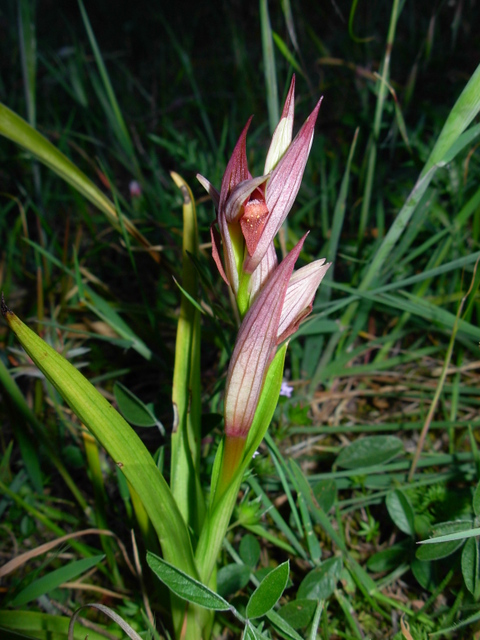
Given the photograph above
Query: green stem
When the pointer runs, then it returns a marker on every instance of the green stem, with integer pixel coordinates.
(185, 461)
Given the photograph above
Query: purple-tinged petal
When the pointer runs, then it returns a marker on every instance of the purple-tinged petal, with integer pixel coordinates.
(282, 136)
(228, 252)
(210, 189)
(237, 168)
(263, 272)
(298, 301)
(239, 195)
(255, 348)
(216, 252)
(283, 186)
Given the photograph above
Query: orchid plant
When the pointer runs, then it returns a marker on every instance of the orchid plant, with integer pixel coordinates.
(271, 301)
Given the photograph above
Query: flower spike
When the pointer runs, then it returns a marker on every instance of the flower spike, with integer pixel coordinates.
(282, 188)
(255, 348)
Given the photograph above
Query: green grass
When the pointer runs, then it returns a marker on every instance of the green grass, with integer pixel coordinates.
(390, 195)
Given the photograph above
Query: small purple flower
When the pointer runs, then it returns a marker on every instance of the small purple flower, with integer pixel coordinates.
(135, 189)
(286, 389)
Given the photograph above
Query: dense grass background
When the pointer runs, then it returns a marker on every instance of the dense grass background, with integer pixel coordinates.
(186, 76)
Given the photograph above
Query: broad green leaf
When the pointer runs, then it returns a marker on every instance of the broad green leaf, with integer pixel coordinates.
(388, 559)
(268, 592)
(132, 408)
(54, 579)
(119, 439)
(470, 567)
(424, 573)
(369, 451)
(249, 550)
(320, 583)
(401, 511)
(185, 586)
(298, 613)
(443, 549)
(231, 578)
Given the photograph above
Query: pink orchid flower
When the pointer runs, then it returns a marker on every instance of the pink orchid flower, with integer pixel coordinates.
(250, 211)
(283, 303)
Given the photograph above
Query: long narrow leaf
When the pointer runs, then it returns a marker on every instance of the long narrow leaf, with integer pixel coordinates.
(118, 438)
(15, 128)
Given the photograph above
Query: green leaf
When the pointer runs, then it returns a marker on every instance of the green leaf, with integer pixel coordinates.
(267, 403)
(460, 535)
(119, 439)
(268, 592)
(107, 313)
(320, 583)
(132, 408)
(185, 586)
(282, 626)
(186, 388)
(476, 500)
(222, 504)
(30, 624)
(424, 573)
(250, 550)
(370, 451)
(325, 492)
(252, 633)
(54, 579)
(190, 298)
(231, 578)
(470, 567)
(15, 128)
(286, 53)
(298, 613)
(443, 549)
(389, 559)
(401, 511)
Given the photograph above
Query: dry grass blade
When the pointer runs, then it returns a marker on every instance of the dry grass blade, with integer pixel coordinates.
(17, 562)
(441, 382)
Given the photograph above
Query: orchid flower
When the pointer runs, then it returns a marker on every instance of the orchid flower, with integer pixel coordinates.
(283, 303)
(250, 211)
(272, 299)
